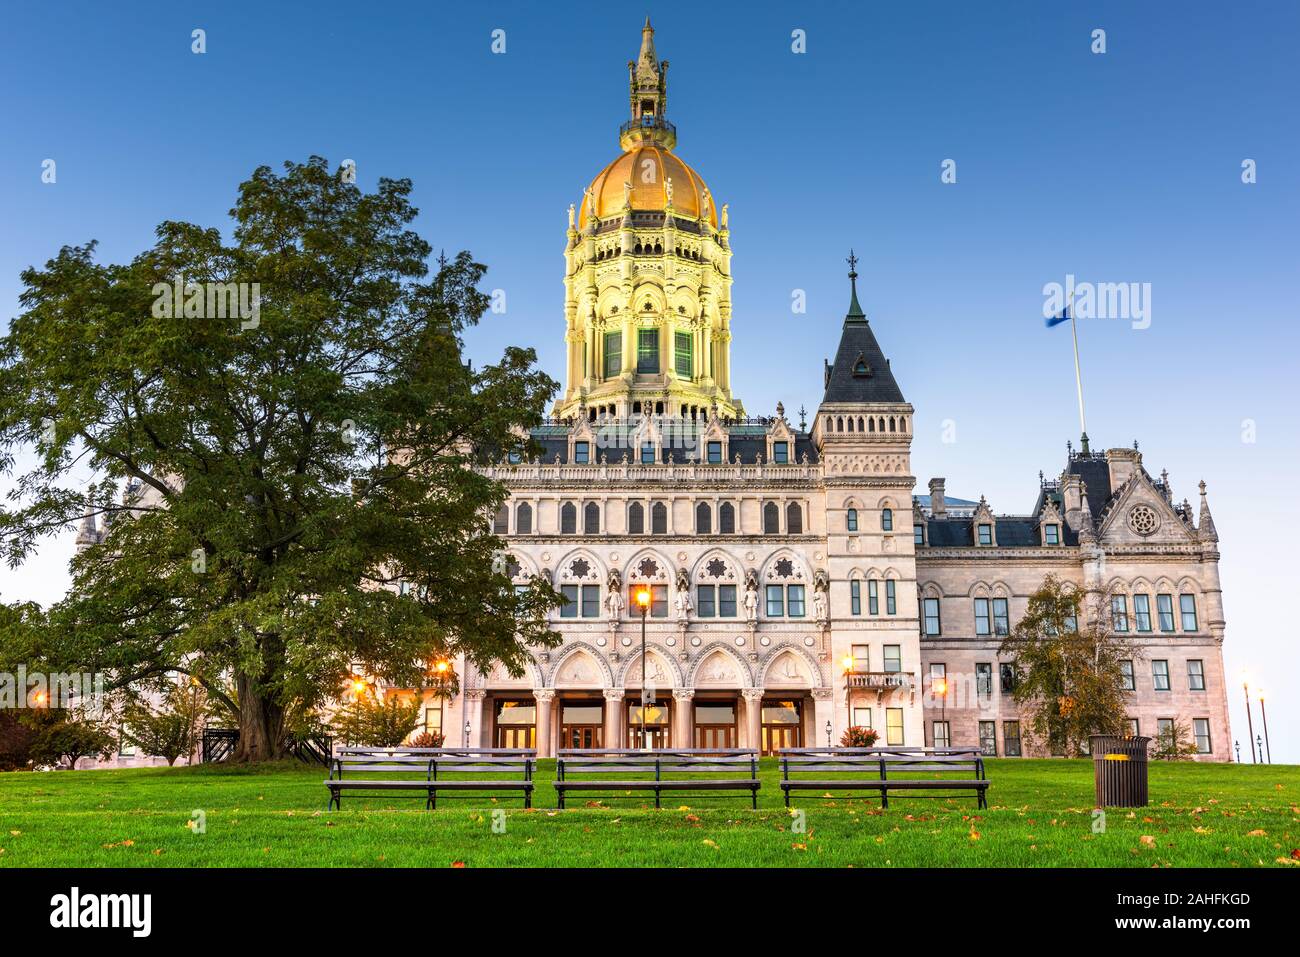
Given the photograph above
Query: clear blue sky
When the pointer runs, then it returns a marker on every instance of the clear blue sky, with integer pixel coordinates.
(1121, 167)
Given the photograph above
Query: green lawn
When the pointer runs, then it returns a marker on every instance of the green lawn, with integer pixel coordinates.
(1039, 815)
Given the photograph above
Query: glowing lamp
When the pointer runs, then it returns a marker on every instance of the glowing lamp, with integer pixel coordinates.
(441, 666)
(848, 662)
(941, 686)
(643, 597)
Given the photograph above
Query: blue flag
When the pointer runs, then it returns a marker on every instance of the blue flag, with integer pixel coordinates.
(1057, 320)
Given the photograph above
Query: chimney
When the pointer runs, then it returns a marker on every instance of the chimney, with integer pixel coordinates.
(1123, 464)
(937, 507)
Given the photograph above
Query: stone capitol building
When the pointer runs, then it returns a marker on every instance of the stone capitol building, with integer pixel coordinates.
(799, 586)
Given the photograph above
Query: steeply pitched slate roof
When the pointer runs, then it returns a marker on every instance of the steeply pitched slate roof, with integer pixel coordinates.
(1095, 472)
(858, 345)
(1012, 531)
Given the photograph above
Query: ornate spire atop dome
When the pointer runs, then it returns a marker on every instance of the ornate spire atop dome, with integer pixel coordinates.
(648, 91)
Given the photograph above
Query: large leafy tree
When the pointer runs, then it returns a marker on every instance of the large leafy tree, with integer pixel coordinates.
(301, 497)
(1069, 678)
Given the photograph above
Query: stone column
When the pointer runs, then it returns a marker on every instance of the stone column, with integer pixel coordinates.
(545, 698)
(474, 715)
(683, 718)
(823, 711)
(753, 718)
(614, 718)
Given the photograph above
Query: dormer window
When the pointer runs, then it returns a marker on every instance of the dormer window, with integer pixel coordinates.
(985, 533)
(1052, 534)
(860, 367)
(918, 534)
(715, 453)
(781, 453)
(581, 452)
(647, 453)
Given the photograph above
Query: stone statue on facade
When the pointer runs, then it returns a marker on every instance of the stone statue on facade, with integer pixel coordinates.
(683, 604)
(751, 601)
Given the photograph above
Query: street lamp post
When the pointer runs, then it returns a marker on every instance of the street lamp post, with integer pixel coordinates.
(467, 732)
(848, 690)
(1250, 724)
(1259, 693)
(643, 602)
(1237, 745)
(828, 733)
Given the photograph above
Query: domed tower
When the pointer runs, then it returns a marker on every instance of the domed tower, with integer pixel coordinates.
(648, 275)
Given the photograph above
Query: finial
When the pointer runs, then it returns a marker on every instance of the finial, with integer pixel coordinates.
(1202, 487)
(803, 418)
(780, 410)
(855, 309)
(1083, 444)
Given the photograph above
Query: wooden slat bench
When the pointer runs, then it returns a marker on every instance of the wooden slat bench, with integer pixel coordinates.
(674, 771)
(885, 770)
(442, 770)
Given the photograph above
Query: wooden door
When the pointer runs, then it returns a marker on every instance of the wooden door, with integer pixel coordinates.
(581, 736)
(515, 736)
(715, 735)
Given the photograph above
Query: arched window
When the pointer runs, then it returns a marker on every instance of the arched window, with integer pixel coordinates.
(726, 519)
(794, 519)
(501, 524)
(658, 519)
(871, 424)
(568, 519)
(524, 519)
(851, 520)
(591, 519)
(635, 519)
(771, 519)
(886, 519)
(850, 423)
(703, 519)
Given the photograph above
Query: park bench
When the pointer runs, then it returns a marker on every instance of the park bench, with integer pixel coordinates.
(896, 770)
(674, 771)
(441, 770)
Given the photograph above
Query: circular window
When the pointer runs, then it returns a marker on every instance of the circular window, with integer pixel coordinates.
(1143, 519)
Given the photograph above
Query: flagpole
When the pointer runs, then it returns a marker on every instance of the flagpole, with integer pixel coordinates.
(1078, 376)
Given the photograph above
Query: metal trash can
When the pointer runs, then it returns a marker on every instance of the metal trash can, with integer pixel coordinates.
(1120, 767)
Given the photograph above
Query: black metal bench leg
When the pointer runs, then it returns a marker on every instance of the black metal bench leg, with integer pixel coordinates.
(528, 799)
(428, 801)
(753, 793)
(656, 799)
(884, 798)
(787, 798)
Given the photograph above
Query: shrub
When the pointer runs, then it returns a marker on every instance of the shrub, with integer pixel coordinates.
(426, 740)
(377, 724)
(859, 737)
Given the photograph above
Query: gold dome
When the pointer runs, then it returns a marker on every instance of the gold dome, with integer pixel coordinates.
(648, 168)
